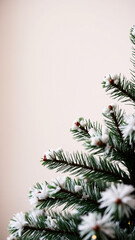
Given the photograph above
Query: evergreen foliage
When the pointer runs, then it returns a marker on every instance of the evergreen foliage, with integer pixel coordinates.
(99, 202)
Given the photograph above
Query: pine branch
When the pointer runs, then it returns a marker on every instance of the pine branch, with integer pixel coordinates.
(82, 134)
(126, 90)
(86, 138)
(31, 232)
(68, 199)
(88, 166)
(87, 197)
(113, 121)
(64, 227)
(123, 91)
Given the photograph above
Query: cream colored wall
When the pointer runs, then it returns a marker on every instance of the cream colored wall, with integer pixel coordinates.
(54, 55)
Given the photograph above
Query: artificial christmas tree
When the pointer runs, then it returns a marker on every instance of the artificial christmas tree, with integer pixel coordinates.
(99, 203)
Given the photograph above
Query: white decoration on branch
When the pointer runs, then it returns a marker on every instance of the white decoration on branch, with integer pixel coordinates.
(18, 223)
(35, 213)
(78, 188)
(54, 189)
(118, 198)
(92, 132)
(33, 198)
(59, 150)
(94, 137)
(105, 136)
(77, 124)
(83, 123)
(75, 211)
(49, 155)
(59, 181)
(108, 79)
(37, 194)
(50, 222)
(11, 237)
(97, 139)
(56, 185)
(43, 193)
(128, 129)
(85, 196)
(107, 148)
(93, 223)
(109, 109)
(94, 141)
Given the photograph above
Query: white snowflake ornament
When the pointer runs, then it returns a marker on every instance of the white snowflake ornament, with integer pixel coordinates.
(118, 198)
(93, 224)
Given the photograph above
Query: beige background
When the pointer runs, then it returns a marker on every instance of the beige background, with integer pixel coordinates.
(53, 57)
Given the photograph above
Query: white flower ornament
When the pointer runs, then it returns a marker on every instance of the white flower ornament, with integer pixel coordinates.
(118, 199)
(93, 224)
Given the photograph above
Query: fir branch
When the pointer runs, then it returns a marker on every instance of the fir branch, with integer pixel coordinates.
(68, 199)
(52, 232)
(65, 227)
(88, 196)
(82, 134)
(123, 90)
(86, 138)
(88, 166)
(117, 119)
(66, 196)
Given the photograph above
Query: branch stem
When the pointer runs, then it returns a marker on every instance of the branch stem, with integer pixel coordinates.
(124, 91)
(89, 168)
(49, 230)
